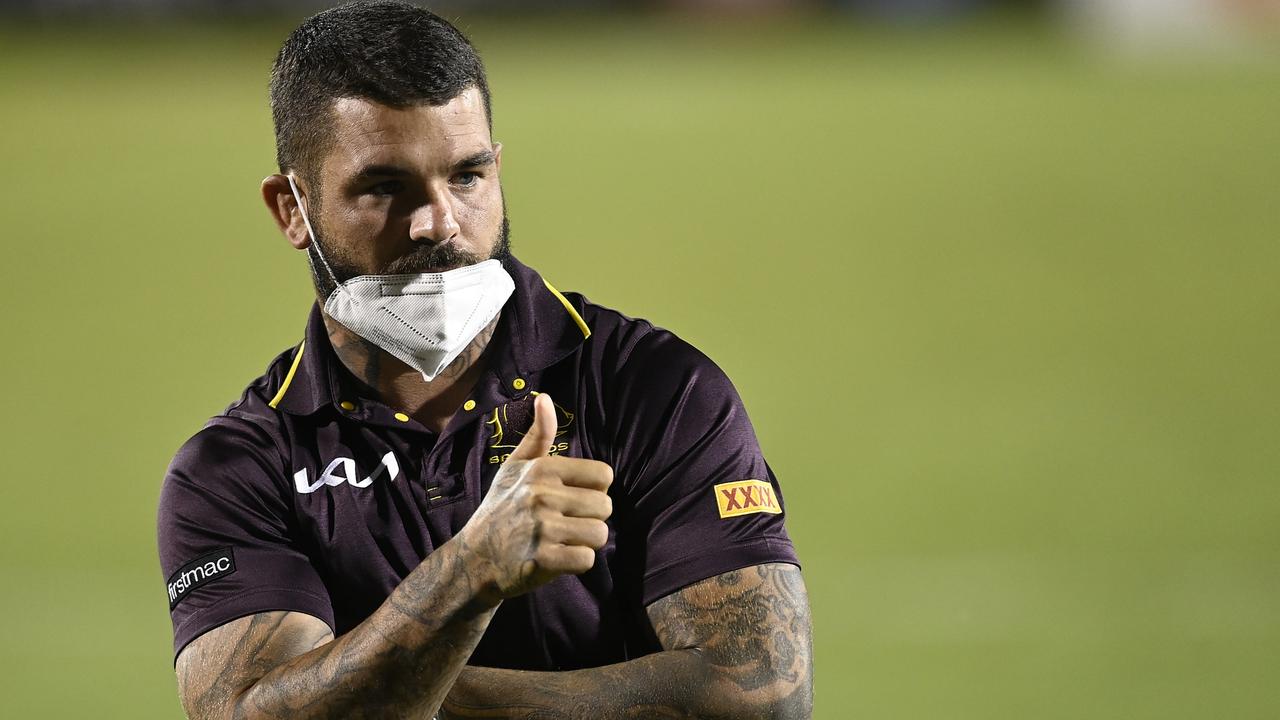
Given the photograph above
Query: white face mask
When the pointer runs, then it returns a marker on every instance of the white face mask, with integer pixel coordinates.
(426, 320)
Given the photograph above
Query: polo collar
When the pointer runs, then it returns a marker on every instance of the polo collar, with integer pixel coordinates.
(537, 328)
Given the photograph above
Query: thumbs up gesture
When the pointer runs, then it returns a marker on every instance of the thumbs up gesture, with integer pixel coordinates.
(543, 516)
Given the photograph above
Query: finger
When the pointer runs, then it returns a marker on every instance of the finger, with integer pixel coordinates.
(566, 558)
(586, 532)
(577, 502)
(578, 472)
(537, 442)
(584, 503)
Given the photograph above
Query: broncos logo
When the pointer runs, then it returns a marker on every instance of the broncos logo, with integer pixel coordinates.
(509, 423)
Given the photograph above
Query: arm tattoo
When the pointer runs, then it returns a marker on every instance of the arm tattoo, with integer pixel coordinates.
(399, 662)
(206, 677)
(753, 624)
(736, 646)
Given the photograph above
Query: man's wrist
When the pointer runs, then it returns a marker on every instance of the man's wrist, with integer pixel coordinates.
(481, 576)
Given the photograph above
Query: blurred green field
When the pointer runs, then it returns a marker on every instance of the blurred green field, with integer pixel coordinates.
(1003, 312)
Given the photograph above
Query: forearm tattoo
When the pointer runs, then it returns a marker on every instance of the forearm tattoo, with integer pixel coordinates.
(737, 646)
(398, 663)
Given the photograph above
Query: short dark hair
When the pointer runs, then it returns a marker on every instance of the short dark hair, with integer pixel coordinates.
(387, 51)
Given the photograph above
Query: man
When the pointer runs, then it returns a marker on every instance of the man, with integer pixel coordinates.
(464, 492)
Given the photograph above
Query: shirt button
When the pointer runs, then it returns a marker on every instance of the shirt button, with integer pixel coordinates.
(469, 405)
(347, 405)
(402, 417)
(518, 383)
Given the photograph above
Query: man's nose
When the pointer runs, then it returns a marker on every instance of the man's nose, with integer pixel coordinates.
(434, 222)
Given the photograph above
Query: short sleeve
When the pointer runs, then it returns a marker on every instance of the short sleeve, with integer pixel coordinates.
(697, 487)
(223, 529)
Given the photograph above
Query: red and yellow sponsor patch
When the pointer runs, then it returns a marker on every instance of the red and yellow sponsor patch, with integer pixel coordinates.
(745, 497)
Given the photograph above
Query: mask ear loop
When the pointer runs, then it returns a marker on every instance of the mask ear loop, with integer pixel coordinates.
(297, 197)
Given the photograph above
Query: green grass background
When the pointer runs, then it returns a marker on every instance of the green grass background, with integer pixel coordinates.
(1004, 313)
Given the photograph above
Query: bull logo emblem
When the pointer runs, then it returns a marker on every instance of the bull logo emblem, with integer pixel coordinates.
(509, 424)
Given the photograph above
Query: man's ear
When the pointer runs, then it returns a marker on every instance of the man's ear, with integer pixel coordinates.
(283, 207)
(497, 155)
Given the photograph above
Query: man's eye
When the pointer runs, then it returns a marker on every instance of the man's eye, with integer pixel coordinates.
(466, 179)
(390, 187)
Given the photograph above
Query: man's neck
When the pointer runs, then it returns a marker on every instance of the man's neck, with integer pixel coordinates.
(399, 386)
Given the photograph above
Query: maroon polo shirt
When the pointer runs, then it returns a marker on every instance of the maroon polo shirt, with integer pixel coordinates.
(309, 495)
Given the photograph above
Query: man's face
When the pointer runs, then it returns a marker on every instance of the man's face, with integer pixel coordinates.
(409, 190)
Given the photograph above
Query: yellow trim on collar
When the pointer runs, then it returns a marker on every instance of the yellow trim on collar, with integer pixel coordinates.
(582, 324)
(293, 369)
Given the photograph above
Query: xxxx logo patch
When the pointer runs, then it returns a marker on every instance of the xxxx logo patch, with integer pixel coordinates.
(745, 497)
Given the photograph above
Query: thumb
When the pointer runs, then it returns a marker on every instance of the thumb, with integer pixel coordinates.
(537, 442)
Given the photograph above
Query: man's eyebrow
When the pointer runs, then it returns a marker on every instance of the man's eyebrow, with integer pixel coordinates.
(372, 171)
(480, 159)
(484, 157)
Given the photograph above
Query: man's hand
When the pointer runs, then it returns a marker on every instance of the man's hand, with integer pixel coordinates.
(543, 516)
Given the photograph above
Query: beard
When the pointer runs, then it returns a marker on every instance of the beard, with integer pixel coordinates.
(425, 258)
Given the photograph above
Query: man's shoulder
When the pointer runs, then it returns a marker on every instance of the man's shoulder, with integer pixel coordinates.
(258, 402)
(636, 350)
(625, 338)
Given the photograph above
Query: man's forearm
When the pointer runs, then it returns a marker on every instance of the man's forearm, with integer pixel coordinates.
(740, 646)
(668, 684)
(399, 662)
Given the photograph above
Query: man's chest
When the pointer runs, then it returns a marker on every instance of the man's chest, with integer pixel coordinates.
(371, 503)
(358, 486)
